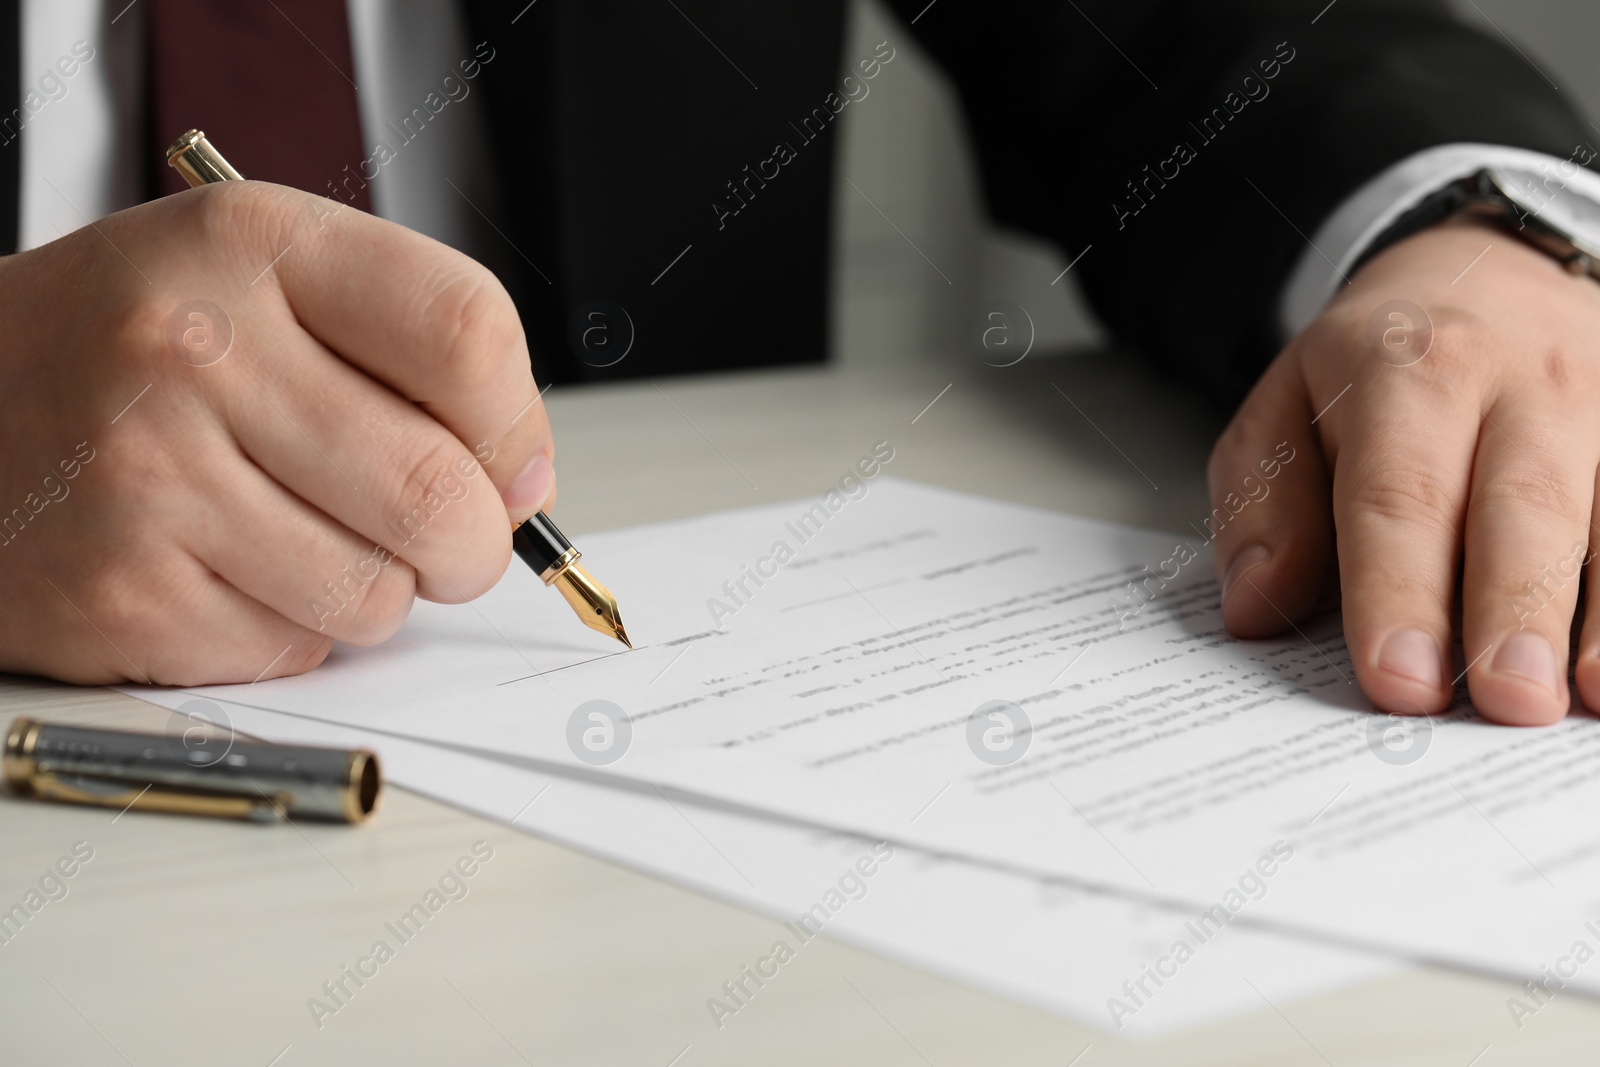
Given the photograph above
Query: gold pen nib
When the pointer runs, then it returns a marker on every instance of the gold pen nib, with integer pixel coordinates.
(596, 607)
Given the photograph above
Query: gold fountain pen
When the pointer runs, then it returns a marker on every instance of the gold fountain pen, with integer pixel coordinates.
(537, 542)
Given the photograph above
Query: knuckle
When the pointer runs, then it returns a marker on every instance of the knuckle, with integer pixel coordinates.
(1561, 368)
(1407, 495)
(1533, 487)
(1392, 590)
(1554, 580)
(131, 322)
(133, 603)
(358, 598)
(427, 483)
(480, 332)
(225, 212)
(1455, 353)
(226, 227)
(113, 604)
(1229, 457)
(136, 472)
(381, 606)
(1457, 331)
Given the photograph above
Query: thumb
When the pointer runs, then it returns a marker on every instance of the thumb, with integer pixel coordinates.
(1271, 517)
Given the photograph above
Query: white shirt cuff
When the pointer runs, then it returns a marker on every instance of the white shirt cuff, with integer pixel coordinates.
(1340, 241)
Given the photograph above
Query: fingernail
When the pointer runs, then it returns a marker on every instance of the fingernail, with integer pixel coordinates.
(1412, 654)
(1249, 557)
(528, 489)
(1529, 656)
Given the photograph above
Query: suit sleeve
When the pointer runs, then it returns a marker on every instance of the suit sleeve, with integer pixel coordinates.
(1192, 147)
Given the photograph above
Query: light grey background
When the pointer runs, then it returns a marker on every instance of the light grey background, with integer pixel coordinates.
(906, 167)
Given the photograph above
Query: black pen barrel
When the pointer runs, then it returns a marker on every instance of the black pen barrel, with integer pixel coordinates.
(541, 545)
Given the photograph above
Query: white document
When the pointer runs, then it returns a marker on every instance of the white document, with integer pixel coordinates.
(1042, 942)
(852, 689)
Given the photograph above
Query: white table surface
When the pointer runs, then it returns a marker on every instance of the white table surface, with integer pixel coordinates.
(195, 941)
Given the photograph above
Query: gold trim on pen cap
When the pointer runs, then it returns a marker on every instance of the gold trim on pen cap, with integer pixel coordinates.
(362, 785)
(133, 797)
(563, 561)
(193, 157)
(16, 762)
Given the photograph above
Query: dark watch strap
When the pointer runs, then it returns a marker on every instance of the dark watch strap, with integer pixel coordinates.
(1433, 209)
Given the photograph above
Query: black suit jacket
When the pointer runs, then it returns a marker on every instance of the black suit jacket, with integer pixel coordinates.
(1190, 143)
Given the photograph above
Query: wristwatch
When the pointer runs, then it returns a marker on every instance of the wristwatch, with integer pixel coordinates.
(1525, 202)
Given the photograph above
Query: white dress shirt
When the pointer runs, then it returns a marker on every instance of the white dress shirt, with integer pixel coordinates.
(80, 162)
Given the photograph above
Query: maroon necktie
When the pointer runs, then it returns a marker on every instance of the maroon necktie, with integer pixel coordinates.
(271, 82)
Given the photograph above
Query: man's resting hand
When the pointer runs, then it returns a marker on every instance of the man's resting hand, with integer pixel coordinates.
(1466, 452)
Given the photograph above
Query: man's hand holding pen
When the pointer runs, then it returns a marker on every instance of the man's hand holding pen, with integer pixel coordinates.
(366, 366)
